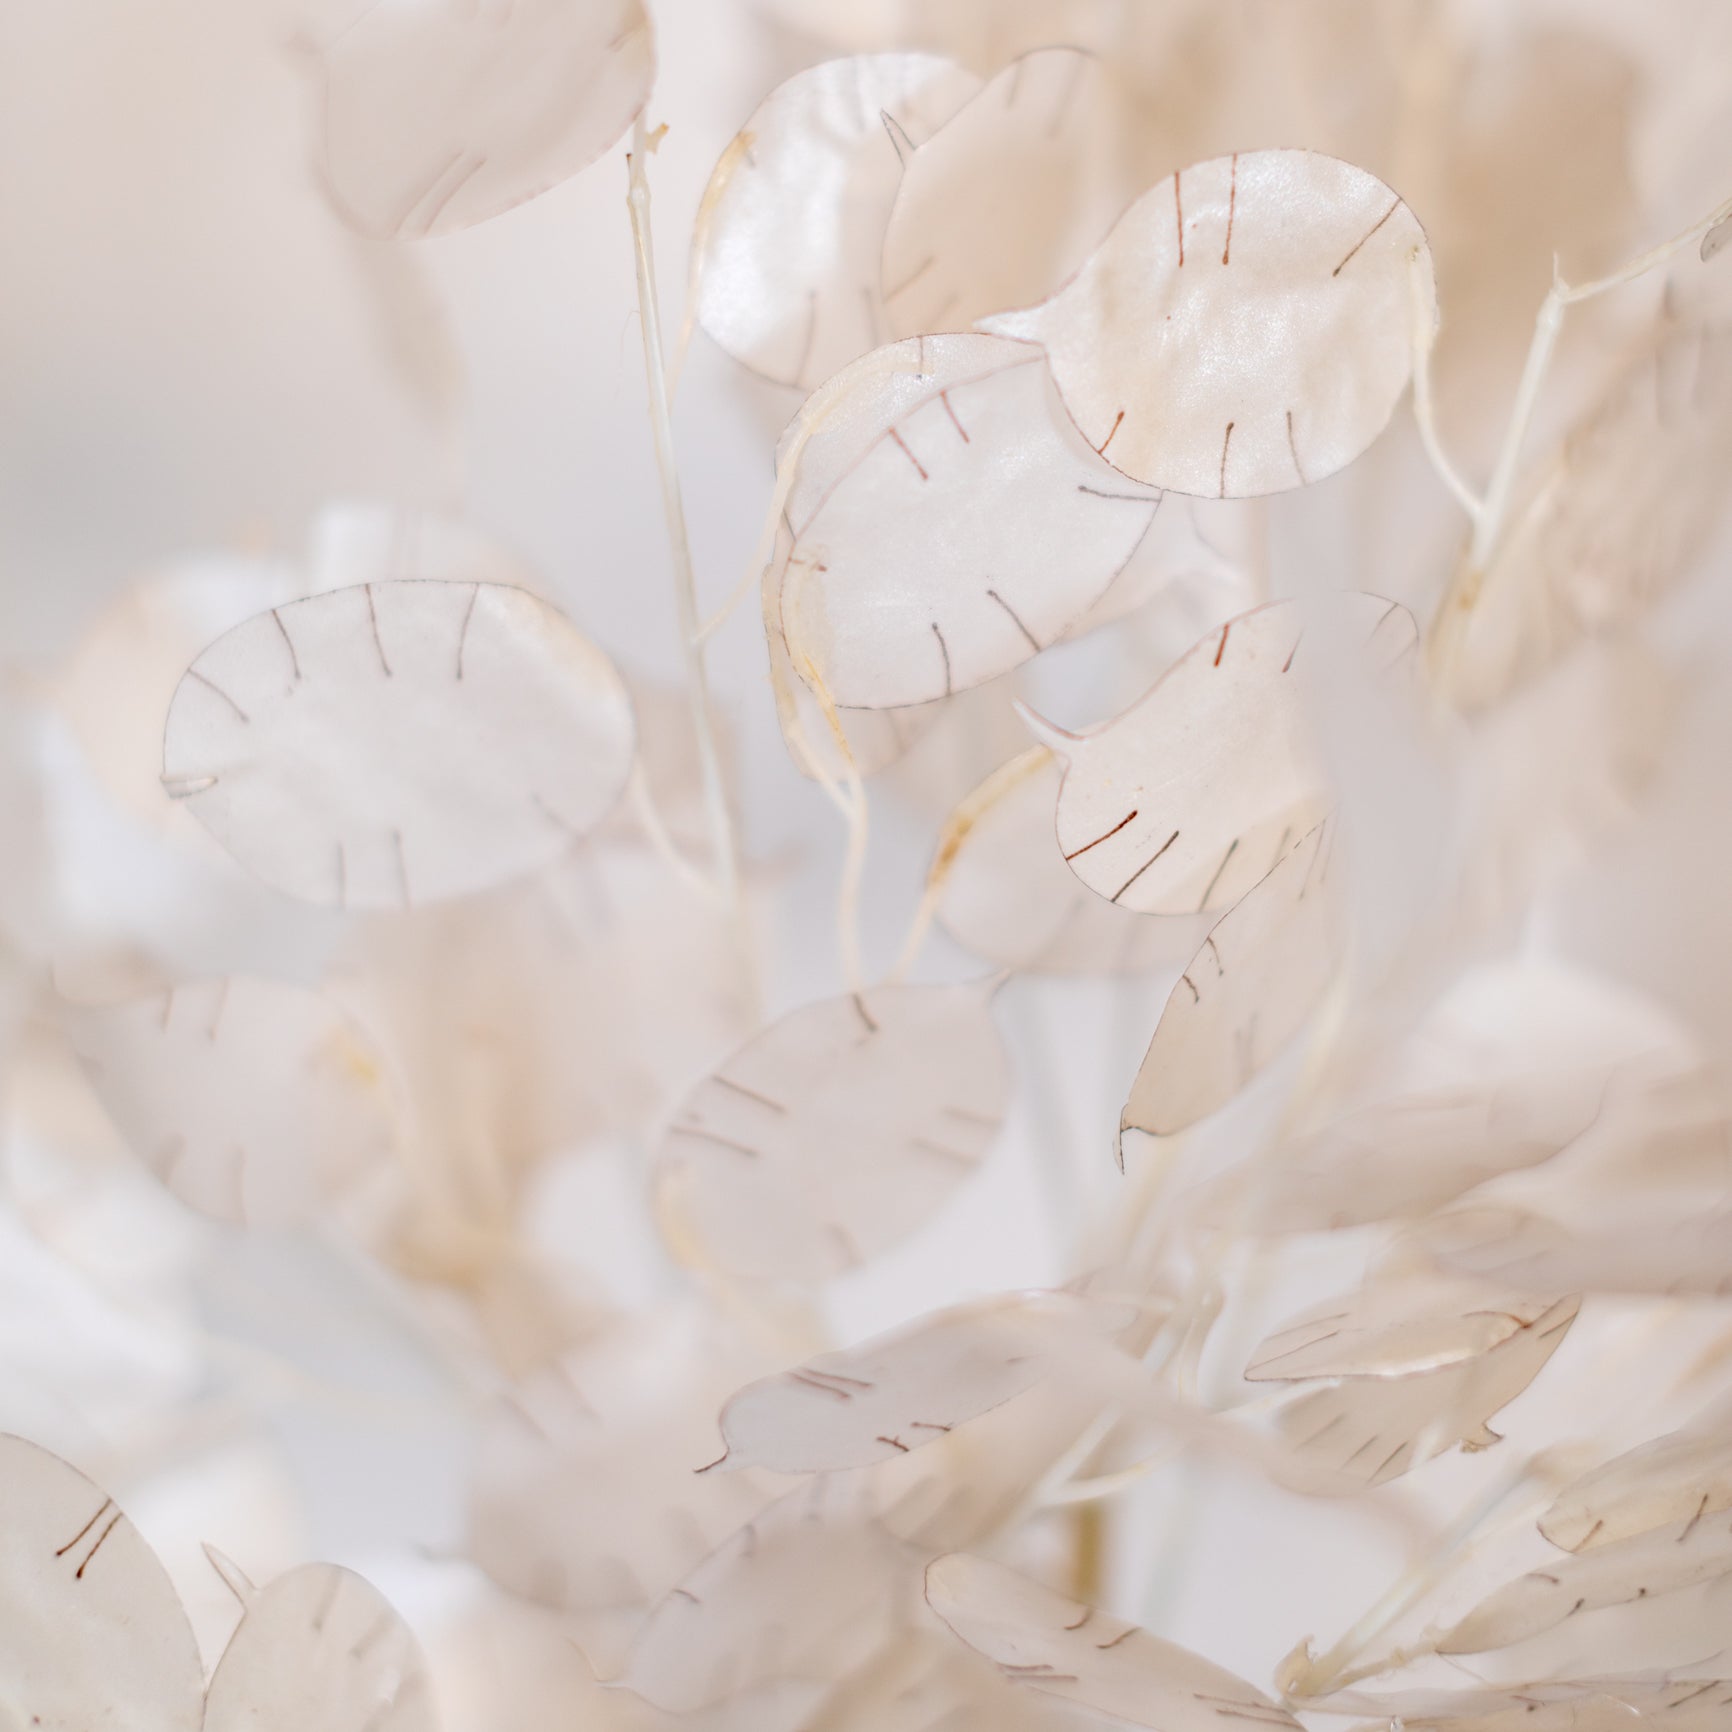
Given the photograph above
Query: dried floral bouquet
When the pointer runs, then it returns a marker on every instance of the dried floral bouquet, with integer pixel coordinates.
(1107, 333)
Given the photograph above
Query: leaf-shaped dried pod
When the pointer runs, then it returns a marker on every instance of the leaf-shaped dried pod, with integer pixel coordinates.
(948, 524)
(584, 1496)
(254, 1101)
(395, 744)
(1061, 1648)
(899, 1392)
(436, 114)
(1395, 1326)
(1643, 1566)
(117, 684)
(1574, 1705)
(1611, 524)
(792, 223)
(800, 1595)
(1007, 198)
(1366, 1431)
(1638, 1206)
(1258, 977)
(1008, 896)
(1675, 1241)
(835, 1132)
(1663, 1481)
(1188, 798)
(93, 1633)
(318, 1650)
(1511, 1065)
(1247, 326)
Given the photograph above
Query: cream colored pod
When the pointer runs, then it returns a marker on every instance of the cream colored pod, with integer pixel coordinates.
(834, 1133)
(317, 1650)
(1247, 327)
(93, 1633)
(948, 524)
(787, 241)
(394, 744)
(1192, 795)
(438, 114)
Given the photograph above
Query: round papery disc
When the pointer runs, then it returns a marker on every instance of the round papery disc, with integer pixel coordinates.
(793, 219)
(393, 744)
(1260, 973)
(92, 1632)
(1661, 1482)
(1008, 896)
(438, 114)
(254, 1101)
(1247, 327)
(320, 1650)
(970, 530)
(1188, 798)
(1085, 1657)
(1007, 198)
(585, 1495)
(888, 1397)
(1366, 1431)
(836, 1132)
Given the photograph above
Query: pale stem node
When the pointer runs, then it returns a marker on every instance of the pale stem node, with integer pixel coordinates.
(1424, 412)
(727, 864)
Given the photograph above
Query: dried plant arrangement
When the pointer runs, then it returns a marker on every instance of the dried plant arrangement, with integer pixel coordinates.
(1114, 1108)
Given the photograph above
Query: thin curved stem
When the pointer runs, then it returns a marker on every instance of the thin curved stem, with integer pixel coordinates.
(1424, 412)
(723, 843)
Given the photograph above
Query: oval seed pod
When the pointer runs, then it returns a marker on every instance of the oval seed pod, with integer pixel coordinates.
(1637, 1206)
(966, 529)
(788, 237)
(1246, 328)
(1578, 1705)
(799, 1597)
(1394, 1326)
(1260, 973)
(1667, 1241)
(93, 1632)
(1643, 1566)
(319, 1650)
(1366, 1431)
(1514, 1063)
(1656, 1484)
(254, 1101)
(876, 739)
(353, 541)
(1188, 798)
(1008, 197)
(835, 1132)
(892, 1395)
(1061, 1648)
(1008, 896)
(584, 1496)
(436, 114)
(394, 744)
